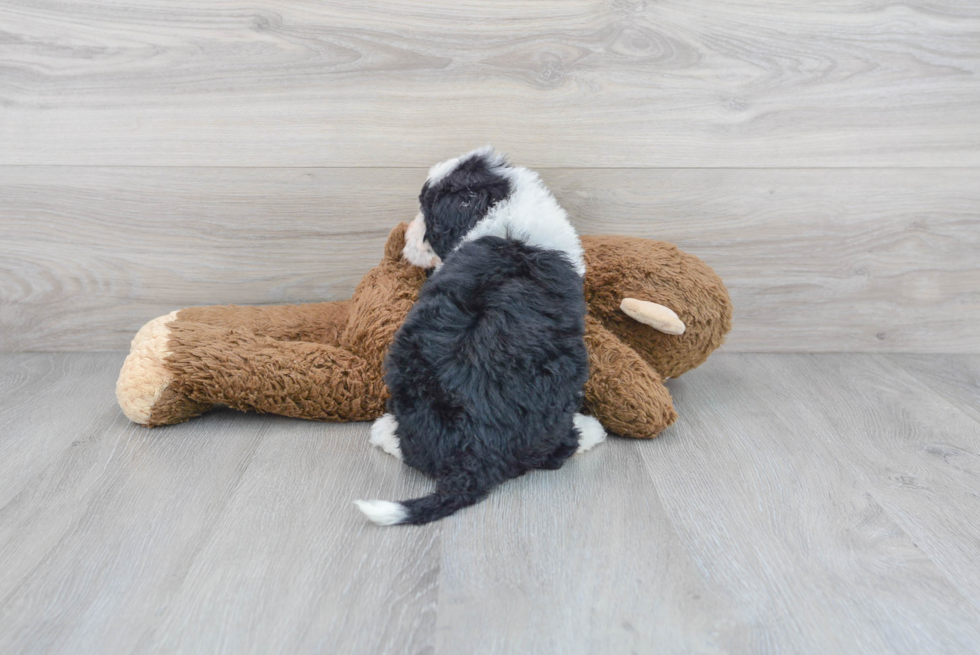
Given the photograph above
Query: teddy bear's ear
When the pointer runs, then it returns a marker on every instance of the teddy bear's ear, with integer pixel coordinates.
(396, 242)
(656, 316)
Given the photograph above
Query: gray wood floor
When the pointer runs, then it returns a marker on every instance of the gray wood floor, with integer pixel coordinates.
(802, 503)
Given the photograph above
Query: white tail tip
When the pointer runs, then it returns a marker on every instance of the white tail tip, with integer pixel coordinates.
(382, 512)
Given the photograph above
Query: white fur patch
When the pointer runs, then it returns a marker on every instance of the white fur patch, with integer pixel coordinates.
(382, 512)
(383, 435)
(531, 214)
(417, 250)
(591, 432)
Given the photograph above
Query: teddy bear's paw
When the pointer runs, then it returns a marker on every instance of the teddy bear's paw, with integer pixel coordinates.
(383, 435)
(144, 376)
(591, 432)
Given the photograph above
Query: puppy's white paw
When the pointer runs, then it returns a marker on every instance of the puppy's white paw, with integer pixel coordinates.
(591, 432)
(383, 435)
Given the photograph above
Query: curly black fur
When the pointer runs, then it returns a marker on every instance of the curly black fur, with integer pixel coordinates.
(487, 372)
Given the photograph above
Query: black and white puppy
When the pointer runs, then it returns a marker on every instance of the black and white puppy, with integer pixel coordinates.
(486, 374)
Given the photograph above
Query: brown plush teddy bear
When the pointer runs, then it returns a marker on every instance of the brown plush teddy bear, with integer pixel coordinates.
(655, 312)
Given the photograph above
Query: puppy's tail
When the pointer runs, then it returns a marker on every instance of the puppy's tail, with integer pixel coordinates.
(454, 492)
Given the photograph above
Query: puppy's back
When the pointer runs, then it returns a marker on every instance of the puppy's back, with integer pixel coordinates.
(489, 366)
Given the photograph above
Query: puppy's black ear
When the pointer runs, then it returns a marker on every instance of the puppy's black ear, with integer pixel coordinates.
(456, 202)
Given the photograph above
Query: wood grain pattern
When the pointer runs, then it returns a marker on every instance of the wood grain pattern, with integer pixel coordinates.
(583, 561)
(42, 394)
(815, 260)
(776, 515)
(294, 568)
(954, 377)
(122, 244)
(584, 83)
(235, 534)
(802, 503)
(917, 454)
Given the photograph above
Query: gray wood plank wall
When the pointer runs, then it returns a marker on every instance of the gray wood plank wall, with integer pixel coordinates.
(825, 160)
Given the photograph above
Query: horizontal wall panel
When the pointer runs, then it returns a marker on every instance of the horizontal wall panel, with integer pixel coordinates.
(586, 83)
(815, 259)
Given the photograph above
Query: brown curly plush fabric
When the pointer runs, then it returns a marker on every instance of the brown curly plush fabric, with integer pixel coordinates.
(325, 360)
(381, 302)
(316, 322)
(319, 361)
(623, 392)
(248, 371)
(629, 267)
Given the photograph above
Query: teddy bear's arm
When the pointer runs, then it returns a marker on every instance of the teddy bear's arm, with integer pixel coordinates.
(322, 322)
(623, 392)
(381, 302)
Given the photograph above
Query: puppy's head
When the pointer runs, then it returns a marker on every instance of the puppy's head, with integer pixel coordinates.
(458, 193)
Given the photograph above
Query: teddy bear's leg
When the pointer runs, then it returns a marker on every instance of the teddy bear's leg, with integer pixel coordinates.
(623, 392)
(178, 369)
(144, 388)
(235, 367)
(311, 361)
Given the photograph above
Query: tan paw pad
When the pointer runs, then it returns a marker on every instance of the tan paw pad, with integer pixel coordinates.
(144, 377)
